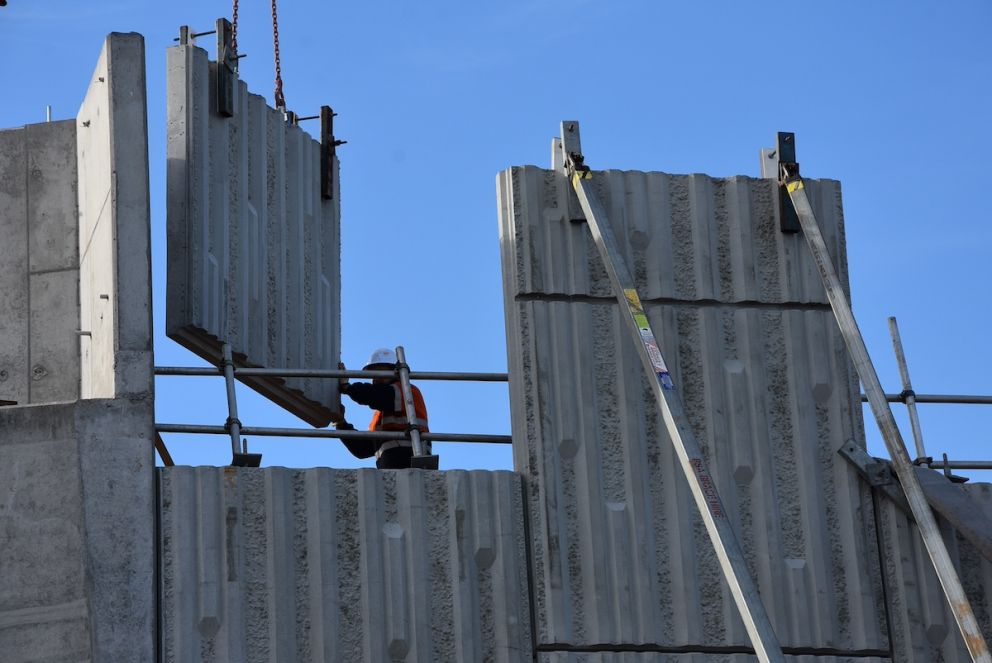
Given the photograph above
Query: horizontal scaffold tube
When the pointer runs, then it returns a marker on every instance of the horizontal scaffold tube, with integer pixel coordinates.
(954, 399)
(250, 431)
(327, 373)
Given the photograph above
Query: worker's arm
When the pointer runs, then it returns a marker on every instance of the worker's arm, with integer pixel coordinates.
(376, 396)
(358, 448)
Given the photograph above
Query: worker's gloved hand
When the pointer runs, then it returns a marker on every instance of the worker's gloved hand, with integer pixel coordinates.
(342, 382)
(340, 422)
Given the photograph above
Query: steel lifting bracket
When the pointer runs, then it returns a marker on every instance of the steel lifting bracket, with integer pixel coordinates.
(788, 171)
(328, 152)
(227, 68)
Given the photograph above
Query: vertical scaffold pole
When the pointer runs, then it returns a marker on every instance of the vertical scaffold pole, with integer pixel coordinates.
(908, 395)
(233, 424)
(701, 484)
(422, 456)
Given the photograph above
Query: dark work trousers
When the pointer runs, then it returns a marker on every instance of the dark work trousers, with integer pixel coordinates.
(397, 458)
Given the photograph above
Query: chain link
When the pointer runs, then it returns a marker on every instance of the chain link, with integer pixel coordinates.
(280, 99)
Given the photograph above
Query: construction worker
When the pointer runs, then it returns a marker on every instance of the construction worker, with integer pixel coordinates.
(385, 396)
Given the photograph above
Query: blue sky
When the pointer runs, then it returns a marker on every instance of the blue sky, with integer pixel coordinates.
(435, 98)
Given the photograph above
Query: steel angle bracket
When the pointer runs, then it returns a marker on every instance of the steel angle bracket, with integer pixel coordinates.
(901, 463)
(328, 152)
(246, 460)
(227, 68)
(876, 472)
(788, 167)
(701, 483)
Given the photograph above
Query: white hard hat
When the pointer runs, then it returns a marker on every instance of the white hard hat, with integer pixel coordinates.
(381, 356)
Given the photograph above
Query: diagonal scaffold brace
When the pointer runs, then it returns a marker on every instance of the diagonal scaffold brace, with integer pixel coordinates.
(790, 179)
(701, 484)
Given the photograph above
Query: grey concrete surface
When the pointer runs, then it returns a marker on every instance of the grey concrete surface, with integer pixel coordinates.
(343, 565)
(39, 273)
(44, 615)
(77, 517)
(618, 552)
(253, 248)
(77, 545)
(114, 223)
(923, 628)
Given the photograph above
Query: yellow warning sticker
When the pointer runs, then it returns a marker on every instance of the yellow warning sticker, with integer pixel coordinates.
(794, 186)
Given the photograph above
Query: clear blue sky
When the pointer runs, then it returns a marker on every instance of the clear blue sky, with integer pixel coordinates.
(893, 99)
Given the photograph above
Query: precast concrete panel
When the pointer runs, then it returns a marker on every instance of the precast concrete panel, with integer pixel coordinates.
(343, 565)
(620, 557)
(39, 264)
(923, 628)
(114, 224)
(253, 247)
(77, 532)
(720, 242)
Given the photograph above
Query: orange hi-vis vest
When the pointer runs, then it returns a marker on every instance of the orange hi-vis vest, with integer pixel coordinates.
(396, 420)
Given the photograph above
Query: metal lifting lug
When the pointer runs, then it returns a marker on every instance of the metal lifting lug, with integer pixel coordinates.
(788, 172)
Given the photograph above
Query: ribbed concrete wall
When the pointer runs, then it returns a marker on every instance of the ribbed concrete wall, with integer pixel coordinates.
(923, 628)
(39, 264)
(253, 248)
(343, 565)
(114, 225)
(685, 238)
(620, 558)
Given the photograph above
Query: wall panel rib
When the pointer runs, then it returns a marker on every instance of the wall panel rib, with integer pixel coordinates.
(343, 565)
(619, 553)
(254, 251)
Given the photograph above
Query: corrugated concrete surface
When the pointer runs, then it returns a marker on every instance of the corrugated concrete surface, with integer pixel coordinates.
(114, 224)
(653, 657)
(343, 565)
(720, 241)
(39, 264)
(619, 553)
(253, 248)
(923, 628)
(77, 543)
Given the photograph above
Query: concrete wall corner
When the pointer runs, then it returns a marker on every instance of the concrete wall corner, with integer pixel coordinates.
(114, 224)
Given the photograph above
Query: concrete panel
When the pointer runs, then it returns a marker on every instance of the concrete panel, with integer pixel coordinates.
(52, 225)
(117, 461)
(253, 248)
(14, 303)
(619, 553)
(39, 355)
(343, 565)
(684, 237)
(43, 610)
(77, 522)
(923, 628)
(54, 343)
(114, 222)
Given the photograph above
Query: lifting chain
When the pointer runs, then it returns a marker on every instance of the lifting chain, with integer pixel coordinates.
(280, 99)
(234, 28)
